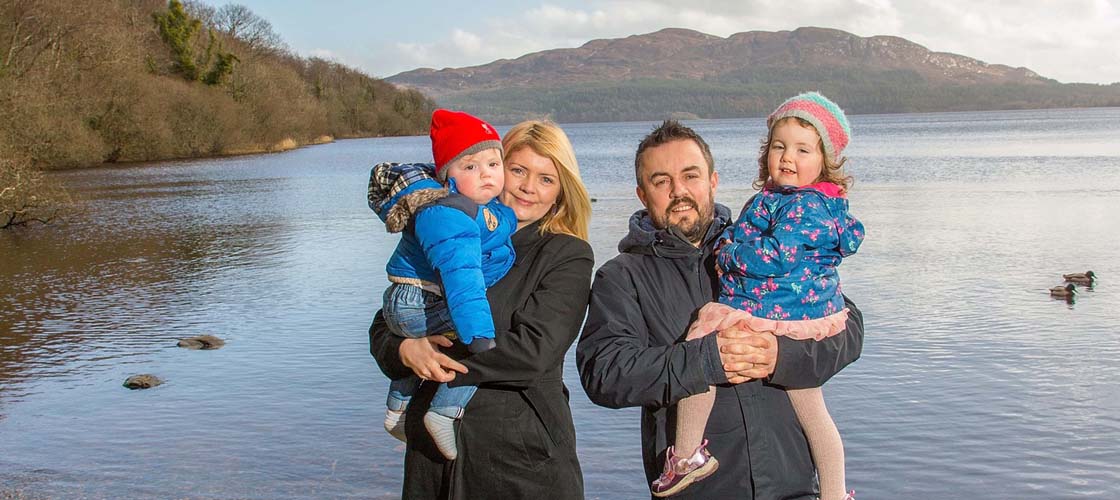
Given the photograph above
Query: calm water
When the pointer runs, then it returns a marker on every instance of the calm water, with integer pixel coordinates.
(973, 382)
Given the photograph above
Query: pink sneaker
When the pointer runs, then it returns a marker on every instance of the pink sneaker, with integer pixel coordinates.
(680, 472)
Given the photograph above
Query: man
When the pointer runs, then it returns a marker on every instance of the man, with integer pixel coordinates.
(632, 350)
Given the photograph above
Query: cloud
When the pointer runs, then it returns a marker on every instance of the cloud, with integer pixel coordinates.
(414, 52)
(1067, 41)
(466, 43)
(1072, 40)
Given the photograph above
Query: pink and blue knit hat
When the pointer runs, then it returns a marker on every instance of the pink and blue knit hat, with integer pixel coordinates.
(825, 115)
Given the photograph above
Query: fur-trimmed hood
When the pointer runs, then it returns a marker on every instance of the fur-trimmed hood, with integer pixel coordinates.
(407, 206)
(398, 190)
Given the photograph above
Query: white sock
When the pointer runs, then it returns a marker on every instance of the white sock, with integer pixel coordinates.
(394, 424)
(442, 429)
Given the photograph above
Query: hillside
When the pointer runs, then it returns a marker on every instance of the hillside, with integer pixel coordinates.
(82, 83)
(97, 81)
(678, 72)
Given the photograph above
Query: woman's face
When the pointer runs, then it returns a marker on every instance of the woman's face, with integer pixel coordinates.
(532, 185)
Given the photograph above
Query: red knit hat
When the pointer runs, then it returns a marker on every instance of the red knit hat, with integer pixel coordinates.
(455, 135)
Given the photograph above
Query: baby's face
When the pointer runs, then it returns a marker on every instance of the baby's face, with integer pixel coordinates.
(480, 176)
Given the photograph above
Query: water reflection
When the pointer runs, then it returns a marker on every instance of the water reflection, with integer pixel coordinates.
(111, 292)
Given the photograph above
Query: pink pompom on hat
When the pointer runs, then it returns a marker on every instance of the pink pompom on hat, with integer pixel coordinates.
(456, 134)
(829, 120)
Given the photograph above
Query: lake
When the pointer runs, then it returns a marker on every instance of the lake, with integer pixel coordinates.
(973, 383)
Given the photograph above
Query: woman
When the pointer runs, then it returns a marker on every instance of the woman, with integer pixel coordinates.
(517, 440)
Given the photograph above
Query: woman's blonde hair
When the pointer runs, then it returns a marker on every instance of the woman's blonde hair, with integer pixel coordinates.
(832, 171)
(572, 212)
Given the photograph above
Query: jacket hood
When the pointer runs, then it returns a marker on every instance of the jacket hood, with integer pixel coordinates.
(398, 190)
(644, 238)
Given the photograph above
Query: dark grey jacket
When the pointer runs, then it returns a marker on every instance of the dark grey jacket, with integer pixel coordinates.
(632, 353)
(516, 439)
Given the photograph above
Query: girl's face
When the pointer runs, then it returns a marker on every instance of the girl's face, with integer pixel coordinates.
(794, 157)
(532, 185)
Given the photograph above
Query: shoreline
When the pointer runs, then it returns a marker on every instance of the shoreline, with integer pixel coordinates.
(289, 144)
(286, 144)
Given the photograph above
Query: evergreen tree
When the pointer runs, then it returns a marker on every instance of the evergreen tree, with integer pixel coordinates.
(178, 29)
(222, 68)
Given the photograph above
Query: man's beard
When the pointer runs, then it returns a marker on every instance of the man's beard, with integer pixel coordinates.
(693, 232)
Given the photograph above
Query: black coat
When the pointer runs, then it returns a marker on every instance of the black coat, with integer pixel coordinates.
(633, 353)
(516, 438)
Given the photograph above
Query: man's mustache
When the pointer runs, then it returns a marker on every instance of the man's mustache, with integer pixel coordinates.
(678, 202)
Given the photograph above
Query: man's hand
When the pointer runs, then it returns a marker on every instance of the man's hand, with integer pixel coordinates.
(746, 354)
(427, 362)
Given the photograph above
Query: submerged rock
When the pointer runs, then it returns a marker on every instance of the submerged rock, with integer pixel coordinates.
(202, 342)
(143, 381)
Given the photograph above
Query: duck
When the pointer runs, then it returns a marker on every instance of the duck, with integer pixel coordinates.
(1069, 290)
(1085, 278)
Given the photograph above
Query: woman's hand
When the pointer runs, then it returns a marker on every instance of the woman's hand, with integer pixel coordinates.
(427, 362)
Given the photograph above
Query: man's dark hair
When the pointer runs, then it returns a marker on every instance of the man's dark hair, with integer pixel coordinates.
(669, 131)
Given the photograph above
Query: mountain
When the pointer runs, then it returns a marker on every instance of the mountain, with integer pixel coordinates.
(685, 73)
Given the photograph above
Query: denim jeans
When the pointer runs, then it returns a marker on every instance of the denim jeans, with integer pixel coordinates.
(413, 312)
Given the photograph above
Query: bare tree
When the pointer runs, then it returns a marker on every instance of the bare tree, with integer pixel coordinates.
(57, 37)
(29, 30)
(201, 11)
(254, 31)
(26, 197)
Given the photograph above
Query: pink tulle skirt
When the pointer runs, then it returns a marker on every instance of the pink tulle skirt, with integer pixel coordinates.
(714, 317)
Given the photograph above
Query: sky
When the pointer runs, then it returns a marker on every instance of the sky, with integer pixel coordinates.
(1067, 40)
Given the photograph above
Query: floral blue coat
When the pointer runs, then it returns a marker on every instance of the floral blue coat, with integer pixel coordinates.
(779, 259)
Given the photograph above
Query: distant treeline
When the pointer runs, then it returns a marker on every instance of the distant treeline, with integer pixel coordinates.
(758, 91)
(95, 81)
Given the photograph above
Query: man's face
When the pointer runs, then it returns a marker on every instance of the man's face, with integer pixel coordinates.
(677, 189)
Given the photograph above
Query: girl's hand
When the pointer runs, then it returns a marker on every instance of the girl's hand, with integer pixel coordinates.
(427, 362)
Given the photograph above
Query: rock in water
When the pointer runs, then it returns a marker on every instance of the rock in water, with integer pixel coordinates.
(144, 381)
(202, 342)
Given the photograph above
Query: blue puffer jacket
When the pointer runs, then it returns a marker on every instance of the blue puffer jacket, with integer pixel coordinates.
(446, 239)
(778, 261)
